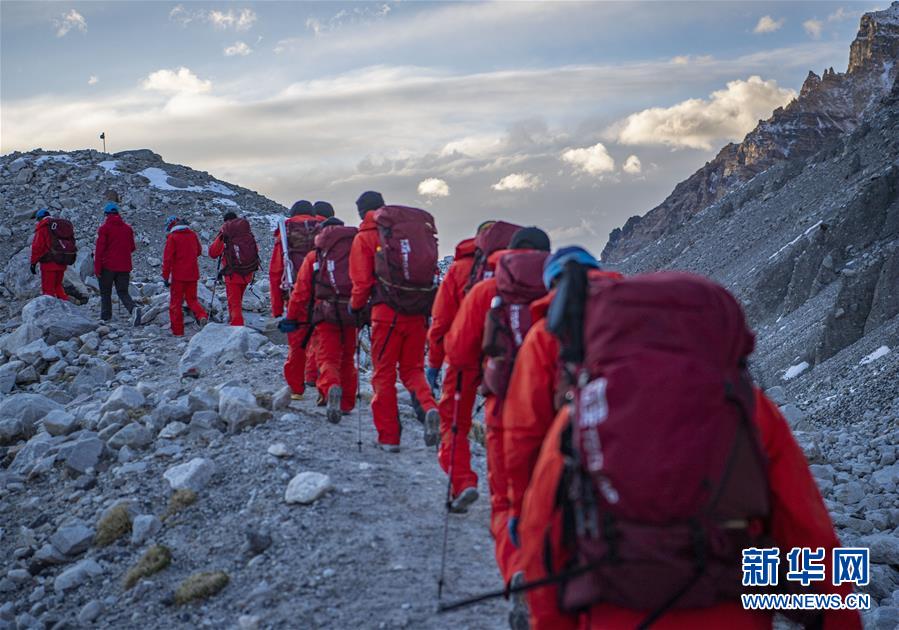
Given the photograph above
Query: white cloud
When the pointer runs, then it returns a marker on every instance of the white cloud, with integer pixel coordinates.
(180, 81)
(767, 24)
(238, 49)
(241, 20)
(842, 14)
(433, 187)
(593, 160)
(632, 165)
(518, 181)
(728, 114)
(93, 80)
(69, 21)
(814, 28)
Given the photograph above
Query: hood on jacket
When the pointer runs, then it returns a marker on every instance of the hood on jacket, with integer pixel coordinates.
(465, 248)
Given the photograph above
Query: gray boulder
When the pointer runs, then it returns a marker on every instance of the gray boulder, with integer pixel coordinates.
(144, 527)
(60, 422)
(11, 429)
(884, 548)
(95, 373)
(192, 475)
(132, 435)
(28, 409)
(123, 397)
(82, 455)
(217, 344)
(72, 538)
(30, 454)
(238, 408)
(18, 278)
(21, 336)
(8, 374)
(58, 319)
(77, 575)
(306, 487)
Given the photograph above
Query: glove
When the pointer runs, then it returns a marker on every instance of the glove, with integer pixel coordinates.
(513, 531)
(433, 377)
(33, 269)
(166, 283)
(288, 325)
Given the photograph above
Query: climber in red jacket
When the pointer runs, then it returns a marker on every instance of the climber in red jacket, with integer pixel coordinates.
(236, 245)
(112, 263)
(51, 272)
(464, 351)
(180, 272)
(398, 339)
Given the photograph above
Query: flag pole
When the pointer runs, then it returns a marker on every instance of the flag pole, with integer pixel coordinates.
(103, 138)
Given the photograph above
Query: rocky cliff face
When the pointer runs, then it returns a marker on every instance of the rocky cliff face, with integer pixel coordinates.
(827, 108)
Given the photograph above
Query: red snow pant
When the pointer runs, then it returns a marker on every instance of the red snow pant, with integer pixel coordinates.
(51, 282)
(301, 366)
(274, 283)
(235, 286)
(500, 505)
(336, 363)
(397, 341)
(457, 464)
(183, 291)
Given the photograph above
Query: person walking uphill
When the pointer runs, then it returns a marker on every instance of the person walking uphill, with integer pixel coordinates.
(236, 246)
(112, 263)
(393, 263)
(180, 272)
(53, 248)
(488, 331)
(318, 306)
(290, 248)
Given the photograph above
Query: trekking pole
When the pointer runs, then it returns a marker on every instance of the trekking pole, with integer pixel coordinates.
(359, 389)
(454, 429)
(215, 284)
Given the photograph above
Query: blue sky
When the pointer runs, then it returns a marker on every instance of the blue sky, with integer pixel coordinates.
(573, 116)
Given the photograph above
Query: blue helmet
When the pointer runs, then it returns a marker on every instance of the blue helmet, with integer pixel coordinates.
(111, 208)
(555, 264)
(172, 220)
(40, 214)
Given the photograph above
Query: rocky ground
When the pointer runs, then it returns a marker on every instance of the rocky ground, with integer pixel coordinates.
(109, 455)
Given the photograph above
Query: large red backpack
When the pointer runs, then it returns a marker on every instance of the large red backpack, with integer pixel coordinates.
(331, 284)
(665, 480)
(519, 281)
(494, 238)
(406, 259)
(300, 240)
(63, 249)
(241, 253)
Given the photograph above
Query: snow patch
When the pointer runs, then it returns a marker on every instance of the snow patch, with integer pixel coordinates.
(159, 179)
(882, 351)
(53, 158)
(109, 166)
(795, 370)
(793, 242)
(226, 202)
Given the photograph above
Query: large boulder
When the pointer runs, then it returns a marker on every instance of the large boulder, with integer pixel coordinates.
(192, 475)
(217, 344)
(58, 320)
(123, 397)
(21, 336)
(18, 277)
(238, 407)
(28, 409)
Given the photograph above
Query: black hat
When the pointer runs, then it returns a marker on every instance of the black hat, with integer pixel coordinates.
(323, 209)
(331, 221)
(229, 216)
(301, 207)
(530, 238)
(369, 200)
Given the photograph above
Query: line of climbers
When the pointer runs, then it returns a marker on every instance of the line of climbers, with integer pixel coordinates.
(630, 457)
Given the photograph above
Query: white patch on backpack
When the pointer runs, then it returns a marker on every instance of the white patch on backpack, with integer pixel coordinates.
(593, 411)
(515, 323)
(331, 266)
(406, 249)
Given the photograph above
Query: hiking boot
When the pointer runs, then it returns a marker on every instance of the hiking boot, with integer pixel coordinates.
(296, 397)
(432, 427)
(334, 395)
(519, 616)
(388, 448)
(459, 505)
(135, 316)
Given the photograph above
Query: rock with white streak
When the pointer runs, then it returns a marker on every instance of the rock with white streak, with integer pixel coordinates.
(193, 475)
(307, 487)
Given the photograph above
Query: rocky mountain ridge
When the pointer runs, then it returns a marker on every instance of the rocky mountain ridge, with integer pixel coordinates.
(827, 107)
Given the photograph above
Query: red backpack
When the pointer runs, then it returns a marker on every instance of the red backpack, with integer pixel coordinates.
(406, 259)
(241, 253)
(331, 284)
(519, 281)
(63, 249)
(300, 240)
(494, 238)
(665, 480)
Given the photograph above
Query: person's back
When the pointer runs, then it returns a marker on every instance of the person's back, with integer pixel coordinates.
(112, 262)
(183, 249)
(301, 221)
(52, 270)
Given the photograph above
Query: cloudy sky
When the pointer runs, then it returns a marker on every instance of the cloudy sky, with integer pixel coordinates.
(573, 116)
